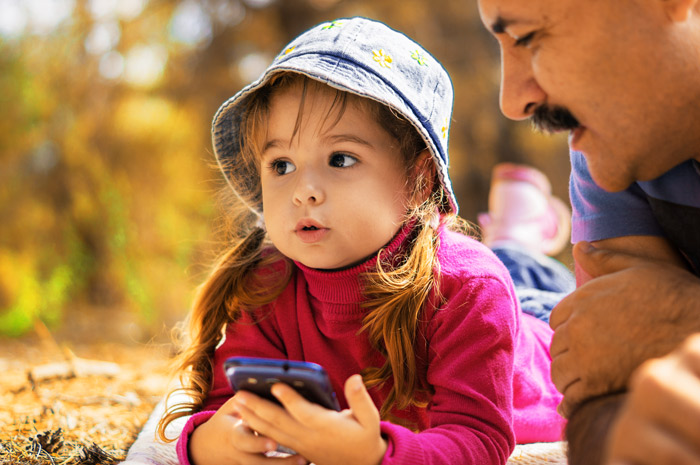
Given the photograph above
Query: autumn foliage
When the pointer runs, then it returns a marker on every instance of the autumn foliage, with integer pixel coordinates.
(108, 197)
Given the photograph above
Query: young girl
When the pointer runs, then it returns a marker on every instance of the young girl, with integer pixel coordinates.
(353, 259)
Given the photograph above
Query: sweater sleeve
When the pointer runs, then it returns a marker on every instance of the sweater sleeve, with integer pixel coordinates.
(253, 335)
(470, 368)
(193, 421)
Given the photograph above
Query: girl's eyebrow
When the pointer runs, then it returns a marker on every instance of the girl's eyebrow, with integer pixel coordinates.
(335, 138)
(273, 143)
(347, 138)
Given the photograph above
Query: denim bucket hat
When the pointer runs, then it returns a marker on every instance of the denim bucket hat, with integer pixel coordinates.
(362, 57)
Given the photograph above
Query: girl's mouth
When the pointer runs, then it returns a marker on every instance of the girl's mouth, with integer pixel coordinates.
(310, 231)
(311, 234)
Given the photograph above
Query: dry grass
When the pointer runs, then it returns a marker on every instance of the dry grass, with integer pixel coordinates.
(79, 420)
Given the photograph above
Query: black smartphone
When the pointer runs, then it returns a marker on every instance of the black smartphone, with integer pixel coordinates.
(258, 375)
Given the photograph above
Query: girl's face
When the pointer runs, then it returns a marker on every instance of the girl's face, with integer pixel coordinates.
(333, 194)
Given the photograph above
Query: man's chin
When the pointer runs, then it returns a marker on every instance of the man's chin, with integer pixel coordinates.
(610, 179)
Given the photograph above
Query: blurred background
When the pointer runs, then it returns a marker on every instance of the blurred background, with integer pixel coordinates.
(108, 194)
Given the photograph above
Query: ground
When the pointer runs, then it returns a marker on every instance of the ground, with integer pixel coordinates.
(92, 419)
(64, 418)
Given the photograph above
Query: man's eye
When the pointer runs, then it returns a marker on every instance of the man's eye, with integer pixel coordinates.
(342, 160)
(282, 167)
(525, 40)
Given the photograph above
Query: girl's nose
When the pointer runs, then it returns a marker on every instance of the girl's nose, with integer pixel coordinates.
(309, 190)
(520, 92)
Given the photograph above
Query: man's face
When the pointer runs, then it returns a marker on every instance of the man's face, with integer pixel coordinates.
(615, 73)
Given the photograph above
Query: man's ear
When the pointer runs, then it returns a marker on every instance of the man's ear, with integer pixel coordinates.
(423, 173)
(679, 10)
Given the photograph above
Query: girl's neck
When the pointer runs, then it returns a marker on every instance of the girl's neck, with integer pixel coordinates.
(341, 286)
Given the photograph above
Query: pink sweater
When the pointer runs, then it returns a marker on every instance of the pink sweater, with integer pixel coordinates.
(486, 362)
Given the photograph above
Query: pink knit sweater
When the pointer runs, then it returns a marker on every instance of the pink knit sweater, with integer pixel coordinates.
(486, 362)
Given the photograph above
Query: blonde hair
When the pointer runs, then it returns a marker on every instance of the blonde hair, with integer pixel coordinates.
(395, 293)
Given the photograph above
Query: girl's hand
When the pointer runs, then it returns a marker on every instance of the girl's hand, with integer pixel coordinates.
(320, 435)
(226, 439)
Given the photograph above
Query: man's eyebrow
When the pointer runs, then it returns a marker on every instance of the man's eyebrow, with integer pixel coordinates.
(499, 26)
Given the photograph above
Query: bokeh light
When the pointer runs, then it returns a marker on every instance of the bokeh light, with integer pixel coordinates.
(191, 25)
(103, 37)
(144, 65)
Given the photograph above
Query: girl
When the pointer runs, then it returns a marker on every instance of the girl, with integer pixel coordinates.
(357, 265)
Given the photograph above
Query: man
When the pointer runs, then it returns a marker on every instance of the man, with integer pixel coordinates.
(623, 76)
(659, 422)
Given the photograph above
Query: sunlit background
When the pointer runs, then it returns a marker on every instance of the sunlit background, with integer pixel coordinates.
(108, 197)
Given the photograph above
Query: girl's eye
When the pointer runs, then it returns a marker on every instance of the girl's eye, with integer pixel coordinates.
(341, 160)
(282, 167)
(525, 40)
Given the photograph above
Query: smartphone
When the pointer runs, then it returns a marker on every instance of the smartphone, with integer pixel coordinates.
(258, 375)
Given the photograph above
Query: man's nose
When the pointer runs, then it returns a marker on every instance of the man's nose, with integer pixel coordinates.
(520, 92)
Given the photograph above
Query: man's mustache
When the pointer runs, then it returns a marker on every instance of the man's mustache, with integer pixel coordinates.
(553, 119)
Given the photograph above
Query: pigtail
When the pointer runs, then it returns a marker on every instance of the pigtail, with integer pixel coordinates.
(396, 297)
(397, 293)
(232, 286)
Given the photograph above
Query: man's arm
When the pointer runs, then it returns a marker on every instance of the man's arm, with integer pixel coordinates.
(652, 247)
(635, 301)
(659, 421)
(589, 427)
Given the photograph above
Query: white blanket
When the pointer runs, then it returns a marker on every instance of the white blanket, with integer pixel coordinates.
(149, 450)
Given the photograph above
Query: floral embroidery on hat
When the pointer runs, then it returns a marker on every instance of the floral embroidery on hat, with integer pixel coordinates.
(419, 56)
(445, 128)
(332, 24)
(285, 52)
(383, 59)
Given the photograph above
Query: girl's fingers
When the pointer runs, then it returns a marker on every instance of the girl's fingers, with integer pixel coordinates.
(276, 460)
(268, 419)
(360, 402)
(245, 440)
(256, 446)
(296, 406)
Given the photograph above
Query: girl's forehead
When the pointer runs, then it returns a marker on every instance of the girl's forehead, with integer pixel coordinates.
(320, 103)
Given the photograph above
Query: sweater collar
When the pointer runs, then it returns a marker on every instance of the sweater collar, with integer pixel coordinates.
(344, 286)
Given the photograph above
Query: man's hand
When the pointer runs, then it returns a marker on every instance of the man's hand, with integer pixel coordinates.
(322, 436)
(633, 309)
(660, 422)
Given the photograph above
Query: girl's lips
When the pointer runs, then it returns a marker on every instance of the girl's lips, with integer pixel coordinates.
(310, 231)
(310, 236)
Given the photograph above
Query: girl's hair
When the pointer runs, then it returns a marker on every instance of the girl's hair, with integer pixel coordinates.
(396, 291)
